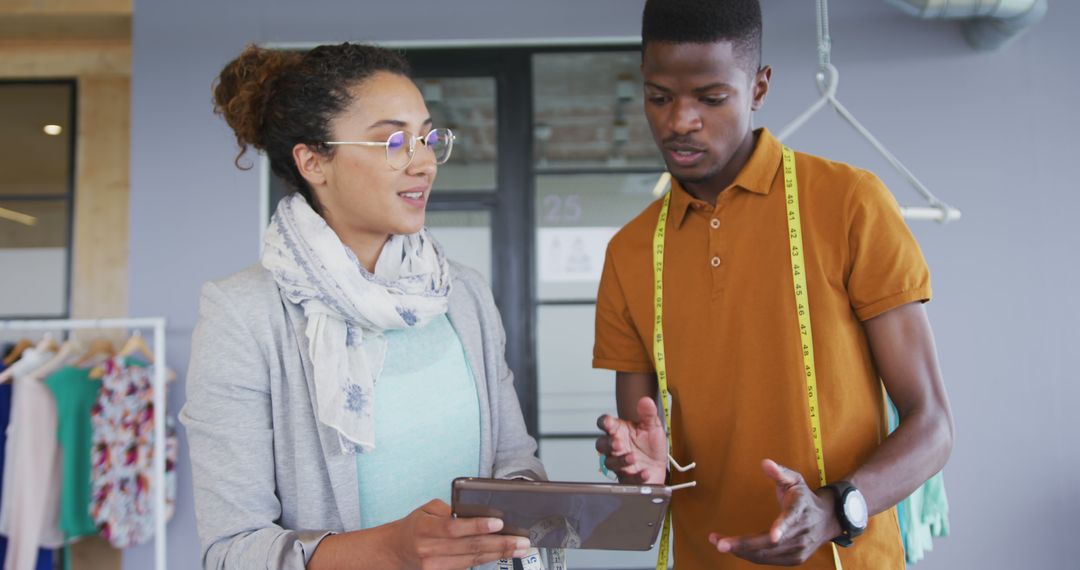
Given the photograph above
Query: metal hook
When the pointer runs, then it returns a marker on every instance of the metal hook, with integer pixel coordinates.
(680, 468)
(827, 80)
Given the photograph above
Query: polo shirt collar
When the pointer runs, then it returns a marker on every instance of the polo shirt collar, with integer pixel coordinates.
(756, 176)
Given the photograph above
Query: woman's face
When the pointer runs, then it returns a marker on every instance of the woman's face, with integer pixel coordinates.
(362, 193)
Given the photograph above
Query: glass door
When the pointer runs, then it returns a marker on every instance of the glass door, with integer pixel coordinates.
(594, 168)
(481, 198)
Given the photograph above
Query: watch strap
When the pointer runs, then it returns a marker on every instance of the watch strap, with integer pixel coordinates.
(848, 531)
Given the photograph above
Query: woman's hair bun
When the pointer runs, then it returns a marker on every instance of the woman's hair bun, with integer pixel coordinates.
(244, 90)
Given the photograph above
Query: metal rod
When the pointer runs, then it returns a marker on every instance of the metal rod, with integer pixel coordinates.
(159, 445)
(801, 120)
(931, 214)
(824, 38)
(78, 324)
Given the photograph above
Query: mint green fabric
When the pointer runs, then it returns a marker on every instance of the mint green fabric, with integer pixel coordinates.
(924, 515)
(928, 518)
(427, 424)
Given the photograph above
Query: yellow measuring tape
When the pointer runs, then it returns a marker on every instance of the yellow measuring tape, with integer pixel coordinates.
(802, 304)
(658, 356)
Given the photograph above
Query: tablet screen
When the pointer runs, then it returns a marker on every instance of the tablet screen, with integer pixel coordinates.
(567, 515)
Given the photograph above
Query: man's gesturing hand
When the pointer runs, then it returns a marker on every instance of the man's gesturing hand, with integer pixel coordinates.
(807, 520)
(636, 451)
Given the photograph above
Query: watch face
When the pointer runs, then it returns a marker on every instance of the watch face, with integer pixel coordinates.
(855, 509)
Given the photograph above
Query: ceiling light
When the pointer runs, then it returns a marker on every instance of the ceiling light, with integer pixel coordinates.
(53, 129)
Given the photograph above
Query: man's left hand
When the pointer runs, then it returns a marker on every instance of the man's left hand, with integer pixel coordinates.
(807, 520)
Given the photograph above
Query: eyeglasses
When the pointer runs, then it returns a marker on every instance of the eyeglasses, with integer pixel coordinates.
(401, 146)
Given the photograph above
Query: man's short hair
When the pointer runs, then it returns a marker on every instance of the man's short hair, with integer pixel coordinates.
(706, 22)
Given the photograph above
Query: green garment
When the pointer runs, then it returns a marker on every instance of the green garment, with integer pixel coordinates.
(925, 514)
(76, 394)
(928, 517)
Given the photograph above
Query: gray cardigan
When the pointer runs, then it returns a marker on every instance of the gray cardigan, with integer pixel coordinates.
(269, 480)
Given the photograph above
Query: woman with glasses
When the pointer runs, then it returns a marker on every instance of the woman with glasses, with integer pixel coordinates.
(337, 387)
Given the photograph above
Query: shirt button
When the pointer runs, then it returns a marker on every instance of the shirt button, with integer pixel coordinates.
(715, 262)
(715, 223)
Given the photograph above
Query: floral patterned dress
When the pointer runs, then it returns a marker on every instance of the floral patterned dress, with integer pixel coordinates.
(123, 455)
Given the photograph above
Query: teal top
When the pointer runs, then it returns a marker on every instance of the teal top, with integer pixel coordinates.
(76, 395)
(427, 424)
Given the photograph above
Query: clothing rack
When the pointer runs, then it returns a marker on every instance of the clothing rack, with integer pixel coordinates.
(158, 326)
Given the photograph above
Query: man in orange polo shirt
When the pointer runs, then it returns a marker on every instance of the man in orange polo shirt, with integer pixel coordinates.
(733, 347)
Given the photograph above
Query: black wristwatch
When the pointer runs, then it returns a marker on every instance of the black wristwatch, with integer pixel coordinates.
(851, 511)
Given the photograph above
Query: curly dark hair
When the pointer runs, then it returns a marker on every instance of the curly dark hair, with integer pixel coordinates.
(704, 22)
(275, 99)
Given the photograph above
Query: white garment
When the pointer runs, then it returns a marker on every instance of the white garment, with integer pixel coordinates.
(30, 515)
(348, 308)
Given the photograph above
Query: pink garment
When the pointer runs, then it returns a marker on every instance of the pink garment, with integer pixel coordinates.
(31, 509)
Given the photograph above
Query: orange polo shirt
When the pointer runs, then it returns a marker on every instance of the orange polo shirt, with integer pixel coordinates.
(733, 351)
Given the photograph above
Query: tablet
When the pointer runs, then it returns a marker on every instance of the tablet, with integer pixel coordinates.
(567, 515)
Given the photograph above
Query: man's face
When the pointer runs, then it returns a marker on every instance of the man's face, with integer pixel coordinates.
(698, 101)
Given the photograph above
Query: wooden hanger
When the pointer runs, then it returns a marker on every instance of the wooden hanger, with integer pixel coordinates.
(48, 343)
(67, 350)
(135, 346)
(7, 375)
(98, 349)
(16, 353)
